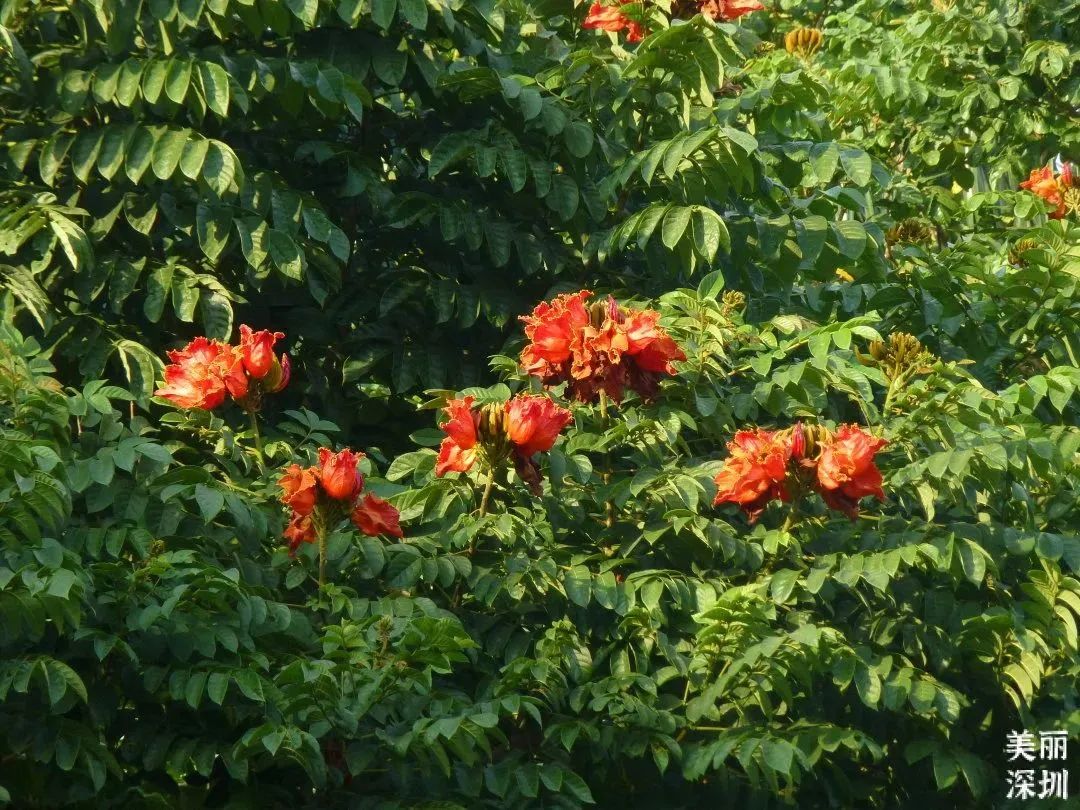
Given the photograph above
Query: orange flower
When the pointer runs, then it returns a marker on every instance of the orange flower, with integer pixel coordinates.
(374, 516)
(598, 348)
(338, 474)
(610, 18)
(1042, 183)
(299, 531)
(257, 349)
(755, 471)
(729, 9)
(533, 424)
(457, 453)
(201, 374)
(846, 471)
(299, 488)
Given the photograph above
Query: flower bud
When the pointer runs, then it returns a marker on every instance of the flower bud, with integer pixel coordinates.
(338, 474)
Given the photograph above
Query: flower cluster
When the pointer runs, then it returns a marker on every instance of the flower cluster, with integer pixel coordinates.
(780, 465)
(598, 348)
(612, 18)
(319, 496)
(518, 429)
(728, 9)
(205, 371)
(1054, 190)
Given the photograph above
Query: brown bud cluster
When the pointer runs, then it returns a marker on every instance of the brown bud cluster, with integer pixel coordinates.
(916, 231)
(902, 356)
(1072, 201)
(803, 42)
(732, 302)
(1021, 246)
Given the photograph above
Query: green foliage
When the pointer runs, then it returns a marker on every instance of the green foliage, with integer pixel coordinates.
(392, 184)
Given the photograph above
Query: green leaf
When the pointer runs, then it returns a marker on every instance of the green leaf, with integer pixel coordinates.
(177, 79)
(579, 139)
(857, 165)
(415, 13)
(153, 80)
(215, 86)
(850, 237)
(783, 584)
(168, 151)
(221, 169)
(382, 12)
(578, 584)
(675, 224)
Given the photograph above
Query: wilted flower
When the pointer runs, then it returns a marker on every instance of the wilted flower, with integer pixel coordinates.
(300, 530)
(611, 18)
(518, 429)
(602, 347)
(846, 471)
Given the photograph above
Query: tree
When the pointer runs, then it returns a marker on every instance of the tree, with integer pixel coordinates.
(822, 208)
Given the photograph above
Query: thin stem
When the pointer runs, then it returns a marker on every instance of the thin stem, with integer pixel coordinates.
(486, 497)
(258, 438)
(791, 519)
(609, 505)
(320, 532)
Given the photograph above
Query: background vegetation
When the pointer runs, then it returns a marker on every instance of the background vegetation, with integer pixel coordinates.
(392, 183)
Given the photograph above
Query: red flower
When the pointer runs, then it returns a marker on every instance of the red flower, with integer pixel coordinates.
(338, 474)
(374, 516)
(299, 488)
(205, 370)
(610, 18)
(522, 427)
(257, 349)
(729, 9)
(533, 423)
(299, 531)
(754, 473)
(457, 453)
(1042, 183)
(598, 348)
(202, 373)
(846, 471)
(650, 346)
(551, 330)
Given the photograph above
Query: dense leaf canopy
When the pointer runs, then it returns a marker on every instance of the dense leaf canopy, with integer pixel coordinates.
(821, 200)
